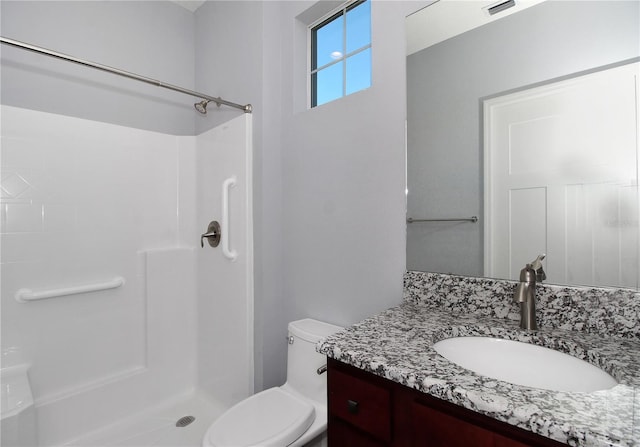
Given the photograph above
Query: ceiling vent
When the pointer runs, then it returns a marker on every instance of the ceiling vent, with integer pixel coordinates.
(500, 6)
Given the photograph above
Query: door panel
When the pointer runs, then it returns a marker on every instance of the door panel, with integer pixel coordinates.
(561, 179)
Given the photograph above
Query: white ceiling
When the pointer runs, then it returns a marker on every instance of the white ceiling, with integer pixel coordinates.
(447, 18)
(191, 5)
(435, 23)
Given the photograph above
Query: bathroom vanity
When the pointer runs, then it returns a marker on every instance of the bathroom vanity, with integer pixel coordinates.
(367, 410)
(389, 387)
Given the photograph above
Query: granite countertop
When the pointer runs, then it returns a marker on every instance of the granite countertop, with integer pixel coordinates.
(397, 344)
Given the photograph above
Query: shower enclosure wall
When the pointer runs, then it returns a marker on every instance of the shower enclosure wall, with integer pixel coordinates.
(87, 203)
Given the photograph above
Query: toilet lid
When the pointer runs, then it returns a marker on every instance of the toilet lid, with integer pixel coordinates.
(270, 418)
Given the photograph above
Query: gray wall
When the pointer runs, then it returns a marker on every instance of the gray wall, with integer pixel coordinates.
(228, 50)
(329, 195)
(445, 83)
(151, 38)
(343, 168)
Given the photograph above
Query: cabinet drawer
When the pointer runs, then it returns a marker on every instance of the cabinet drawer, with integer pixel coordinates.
(362, 404)
(342, 434)
(434, 428)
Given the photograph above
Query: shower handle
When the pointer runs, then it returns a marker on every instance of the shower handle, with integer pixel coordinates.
(212, 234)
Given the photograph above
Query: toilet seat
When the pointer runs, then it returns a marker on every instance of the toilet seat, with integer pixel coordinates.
(271, 418)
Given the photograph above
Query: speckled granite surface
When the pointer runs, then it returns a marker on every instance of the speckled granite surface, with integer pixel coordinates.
(604, 311)
(398, 344)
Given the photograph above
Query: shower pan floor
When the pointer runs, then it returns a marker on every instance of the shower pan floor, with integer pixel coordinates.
(157, 427)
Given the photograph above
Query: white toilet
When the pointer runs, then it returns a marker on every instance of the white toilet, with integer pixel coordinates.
(290, 415)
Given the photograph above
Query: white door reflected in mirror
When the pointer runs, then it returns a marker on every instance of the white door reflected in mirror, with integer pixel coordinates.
(561, 179)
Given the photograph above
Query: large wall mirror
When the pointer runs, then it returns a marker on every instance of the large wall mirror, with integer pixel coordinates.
(526, 117)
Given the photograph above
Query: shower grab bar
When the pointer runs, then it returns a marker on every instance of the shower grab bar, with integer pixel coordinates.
(226, 250)
(26, 295)
(473, 219)
(247, 108)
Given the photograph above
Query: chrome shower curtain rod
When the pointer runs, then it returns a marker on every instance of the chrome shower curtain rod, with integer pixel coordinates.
(219, 101)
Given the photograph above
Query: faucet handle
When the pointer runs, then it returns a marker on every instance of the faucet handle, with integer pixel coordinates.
(537, 266)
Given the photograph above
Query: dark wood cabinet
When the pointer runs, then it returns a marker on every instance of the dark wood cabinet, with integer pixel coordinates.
(438, 429)
(366, 410)
(363, 404)
(344, 435)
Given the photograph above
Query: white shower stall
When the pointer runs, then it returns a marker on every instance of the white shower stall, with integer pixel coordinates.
(117, 314)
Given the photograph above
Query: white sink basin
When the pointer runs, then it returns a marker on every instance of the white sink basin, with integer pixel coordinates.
(524, 364)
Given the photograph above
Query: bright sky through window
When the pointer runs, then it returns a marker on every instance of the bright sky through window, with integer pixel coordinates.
(341, 54)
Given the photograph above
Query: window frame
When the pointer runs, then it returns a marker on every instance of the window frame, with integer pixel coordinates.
(311, 53)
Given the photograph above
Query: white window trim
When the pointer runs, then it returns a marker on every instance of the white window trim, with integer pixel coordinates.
(342, 8)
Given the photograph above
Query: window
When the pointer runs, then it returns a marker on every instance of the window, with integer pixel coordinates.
(341, 53)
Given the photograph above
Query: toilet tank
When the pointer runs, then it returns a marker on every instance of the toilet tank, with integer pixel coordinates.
(303, 361)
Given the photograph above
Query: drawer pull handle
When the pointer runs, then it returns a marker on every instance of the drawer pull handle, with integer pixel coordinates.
(352, 406)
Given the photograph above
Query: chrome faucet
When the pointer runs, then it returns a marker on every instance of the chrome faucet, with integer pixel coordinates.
(525, 293)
